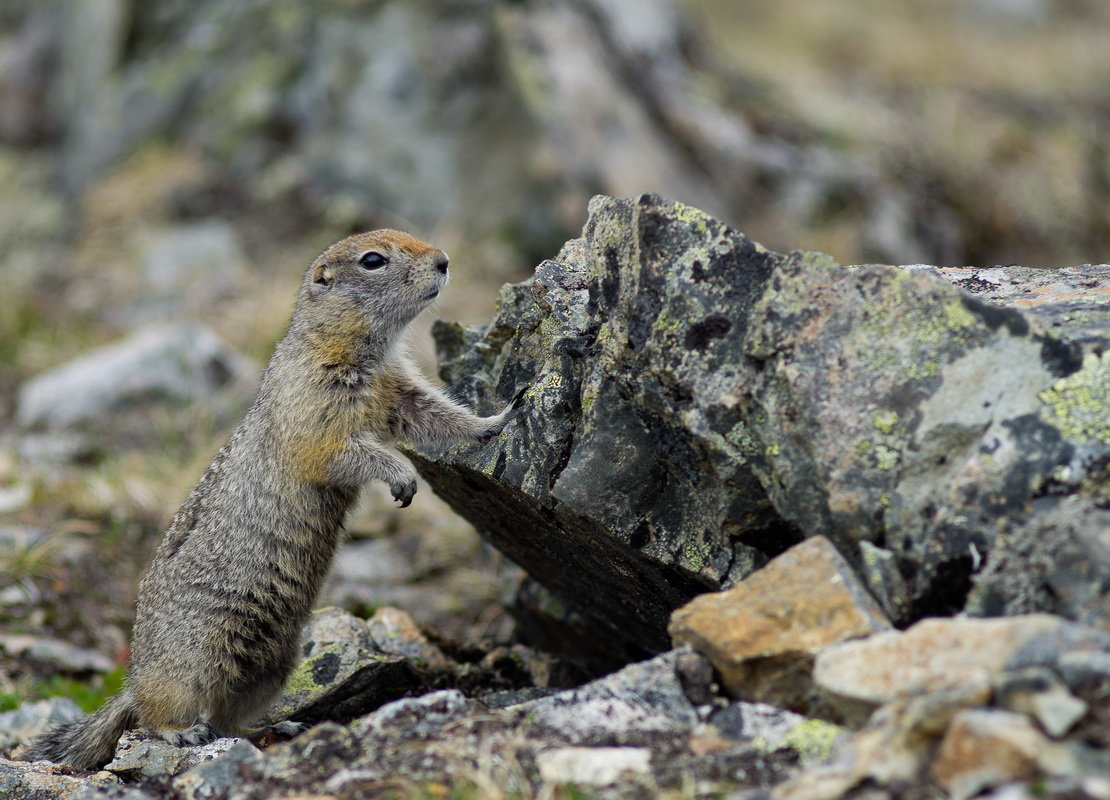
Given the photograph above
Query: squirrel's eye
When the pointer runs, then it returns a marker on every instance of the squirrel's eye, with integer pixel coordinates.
(373, 260)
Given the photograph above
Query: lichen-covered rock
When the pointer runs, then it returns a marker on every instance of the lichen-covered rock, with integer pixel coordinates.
(342, 673)
(899, 410)
(697, 404)
(625, 486)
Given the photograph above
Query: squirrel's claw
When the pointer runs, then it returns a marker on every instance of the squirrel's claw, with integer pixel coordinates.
(518, 399)
(403, 492)
(504, 418)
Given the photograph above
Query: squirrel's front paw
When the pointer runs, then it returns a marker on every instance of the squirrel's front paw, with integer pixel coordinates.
(499, 422)
(403, 490)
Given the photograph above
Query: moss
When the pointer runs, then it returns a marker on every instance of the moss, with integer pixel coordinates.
(884, 420)
(1078, 404)
(813, 740)
(88, 696)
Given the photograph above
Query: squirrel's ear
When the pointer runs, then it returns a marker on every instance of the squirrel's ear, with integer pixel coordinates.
(322, 278)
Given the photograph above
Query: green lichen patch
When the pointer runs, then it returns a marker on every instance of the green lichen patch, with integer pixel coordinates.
(884, 420)
(1079, 405)
(957, 315)
(694, 217)
(886, 457)
(302, 680)
(813, 740)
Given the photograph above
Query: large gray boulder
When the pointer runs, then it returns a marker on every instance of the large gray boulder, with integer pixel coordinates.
(696, 404)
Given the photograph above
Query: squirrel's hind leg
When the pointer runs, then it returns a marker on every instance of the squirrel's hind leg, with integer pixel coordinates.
(232, 715)
(173, 711)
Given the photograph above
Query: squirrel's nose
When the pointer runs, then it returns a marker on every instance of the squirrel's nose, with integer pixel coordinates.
(440, 261)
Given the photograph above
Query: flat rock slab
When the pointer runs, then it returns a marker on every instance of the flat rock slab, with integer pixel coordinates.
(939, 653)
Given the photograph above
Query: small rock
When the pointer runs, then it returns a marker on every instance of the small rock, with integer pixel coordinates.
(639, 705)
(763, 634)
(20, 779)
(985, 748)
(1038, 693)
(417, 717)
(342, 675)
(28, 721)
(756, 721)
(214, 777)
(394, 631)
(142, 755)
(15, 497)
(505, 698)
(594, 766)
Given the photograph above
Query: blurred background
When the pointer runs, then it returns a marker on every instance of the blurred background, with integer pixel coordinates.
(182, 161)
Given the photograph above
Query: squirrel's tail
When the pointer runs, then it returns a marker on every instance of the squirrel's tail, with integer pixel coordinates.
(88, 742)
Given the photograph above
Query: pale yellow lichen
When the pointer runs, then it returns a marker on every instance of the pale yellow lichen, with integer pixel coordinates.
(1079, 405)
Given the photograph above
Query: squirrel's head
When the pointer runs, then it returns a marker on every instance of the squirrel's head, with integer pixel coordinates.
(387, 275)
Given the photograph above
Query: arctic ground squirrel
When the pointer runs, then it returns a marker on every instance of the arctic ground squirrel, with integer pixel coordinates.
(221, 606)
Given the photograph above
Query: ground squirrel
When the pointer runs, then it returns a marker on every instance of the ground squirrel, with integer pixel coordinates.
(220, 609)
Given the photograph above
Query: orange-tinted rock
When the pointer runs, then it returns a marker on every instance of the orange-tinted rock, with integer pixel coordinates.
(936, 653)
(762, 635)
(985, 748)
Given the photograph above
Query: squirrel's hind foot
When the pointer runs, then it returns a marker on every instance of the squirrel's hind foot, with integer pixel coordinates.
(201, 732)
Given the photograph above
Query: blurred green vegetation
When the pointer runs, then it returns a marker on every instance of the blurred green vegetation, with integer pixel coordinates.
(88, 695)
